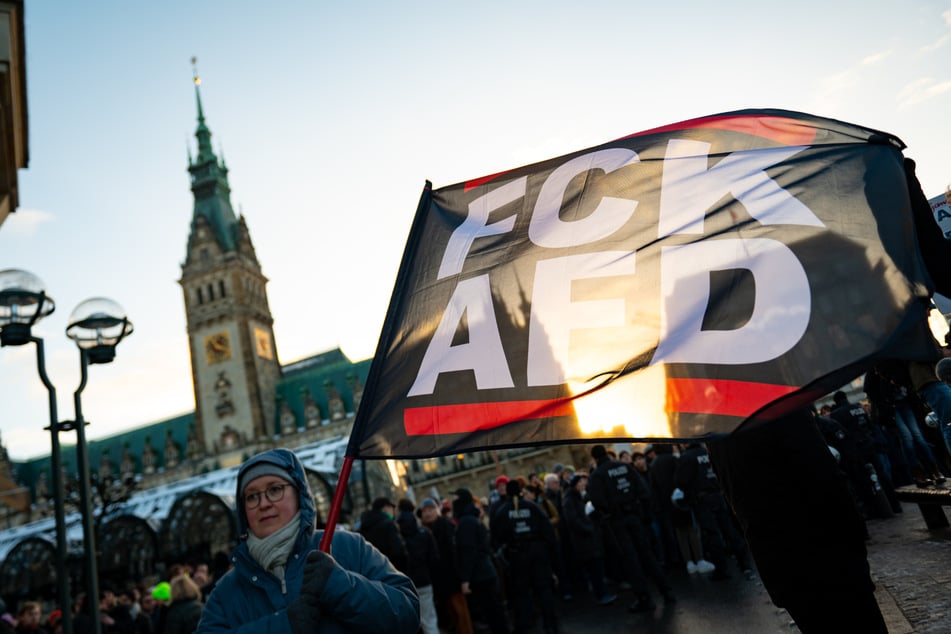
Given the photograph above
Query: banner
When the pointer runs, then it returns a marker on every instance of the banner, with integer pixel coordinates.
(673, 283)
(941, 208)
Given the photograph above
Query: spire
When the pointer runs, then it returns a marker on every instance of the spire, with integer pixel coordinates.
(210, 181)
(203, 134)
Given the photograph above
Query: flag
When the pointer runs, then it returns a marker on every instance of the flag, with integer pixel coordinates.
(675, 283)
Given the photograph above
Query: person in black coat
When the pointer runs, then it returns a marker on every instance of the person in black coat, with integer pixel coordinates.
(421, 549)
(696, 478)
(869, 444)
(616, 491)
(451, 605)
(378, 527)
(588, 550)
(474, 563)
(803, 528)
(527, 537)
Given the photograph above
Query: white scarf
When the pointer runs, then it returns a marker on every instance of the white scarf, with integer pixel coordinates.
(272, 551)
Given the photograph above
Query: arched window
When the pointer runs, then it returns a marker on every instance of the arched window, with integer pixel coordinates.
(198, 526)
(29, 570)
(128, 548)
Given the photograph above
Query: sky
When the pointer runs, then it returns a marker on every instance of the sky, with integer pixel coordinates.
(331, 117)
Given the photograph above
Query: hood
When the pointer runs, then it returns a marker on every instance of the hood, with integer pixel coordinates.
(407, 523)
(286, 460)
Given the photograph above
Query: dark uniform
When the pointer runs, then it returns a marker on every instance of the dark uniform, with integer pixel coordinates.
(866, 437)
(615, 490)
(696, 478)
(528, 541)
(474, 561)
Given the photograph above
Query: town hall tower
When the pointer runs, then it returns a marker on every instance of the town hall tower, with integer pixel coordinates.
(235, 367)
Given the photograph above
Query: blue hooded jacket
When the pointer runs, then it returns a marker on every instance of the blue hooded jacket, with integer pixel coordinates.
(363, 594)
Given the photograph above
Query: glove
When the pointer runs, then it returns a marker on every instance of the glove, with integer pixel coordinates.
(677, 499)
(303, 614)
(317, 571)
(304, 611)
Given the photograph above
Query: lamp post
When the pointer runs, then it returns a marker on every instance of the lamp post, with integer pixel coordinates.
(97, 326)
(23, 302)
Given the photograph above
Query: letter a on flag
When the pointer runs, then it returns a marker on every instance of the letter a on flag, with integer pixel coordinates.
(675, 283)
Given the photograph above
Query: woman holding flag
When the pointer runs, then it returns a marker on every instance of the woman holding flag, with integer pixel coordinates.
(282, 582)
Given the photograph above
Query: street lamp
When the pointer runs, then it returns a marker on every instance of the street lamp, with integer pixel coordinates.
(23, 302)
(97, 326)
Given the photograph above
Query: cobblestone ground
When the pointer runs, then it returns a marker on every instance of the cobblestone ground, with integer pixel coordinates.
(911, 567)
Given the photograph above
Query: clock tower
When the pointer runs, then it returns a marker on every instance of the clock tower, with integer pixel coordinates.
(235, 369)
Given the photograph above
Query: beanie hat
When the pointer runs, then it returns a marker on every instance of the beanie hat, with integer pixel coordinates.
(428, 502)
(261, 469)
(162, 591)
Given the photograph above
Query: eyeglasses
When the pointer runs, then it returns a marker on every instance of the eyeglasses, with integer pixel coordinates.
(274, 493)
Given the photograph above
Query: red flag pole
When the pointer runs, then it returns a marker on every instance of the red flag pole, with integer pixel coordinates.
(339, 492)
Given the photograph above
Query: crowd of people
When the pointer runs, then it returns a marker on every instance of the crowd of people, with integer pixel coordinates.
(513, 558)
(535, 543)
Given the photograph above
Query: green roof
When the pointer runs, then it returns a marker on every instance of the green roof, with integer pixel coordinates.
(28, 471)
(315, 374)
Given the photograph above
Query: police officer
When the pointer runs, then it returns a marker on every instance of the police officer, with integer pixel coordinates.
(869, 447)
(528, 541)
(615, 490)
(698, 482)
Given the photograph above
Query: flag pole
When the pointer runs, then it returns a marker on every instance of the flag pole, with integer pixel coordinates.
(337, 502)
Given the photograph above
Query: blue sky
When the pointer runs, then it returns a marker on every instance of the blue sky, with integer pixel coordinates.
(331, 116)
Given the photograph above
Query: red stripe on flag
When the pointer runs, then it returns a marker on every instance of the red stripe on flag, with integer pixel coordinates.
(779, 129)
(471, 417)
(726, 398)
(475, 182)
(782, 130)
(694, 396)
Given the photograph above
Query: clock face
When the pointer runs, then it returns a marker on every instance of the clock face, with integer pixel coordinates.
(262, 341)
(217, 347)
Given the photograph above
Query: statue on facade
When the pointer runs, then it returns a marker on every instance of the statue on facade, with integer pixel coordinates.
(334, 403)
(148, 457)
(356, 388)
(193, 448)
(172, 452)
(311, 409)
(288, 420)
(105, 465)
(127, 465)
(225, 405)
